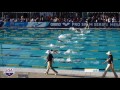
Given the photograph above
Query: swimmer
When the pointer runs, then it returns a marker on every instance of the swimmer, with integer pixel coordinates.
(74, 61)
(60, 40)
(52, 51)
(55, 51)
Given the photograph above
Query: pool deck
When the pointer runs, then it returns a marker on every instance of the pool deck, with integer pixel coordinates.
(39, 73)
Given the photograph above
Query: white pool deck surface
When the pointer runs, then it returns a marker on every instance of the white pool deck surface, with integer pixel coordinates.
(40, 73)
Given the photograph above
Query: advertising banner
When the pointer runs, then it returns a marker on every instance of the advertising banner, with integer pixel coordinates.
(38, 24)
(59, 24)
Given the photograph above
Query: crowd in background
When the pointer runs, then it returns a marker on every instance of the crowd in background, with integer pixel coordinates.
(48, 18)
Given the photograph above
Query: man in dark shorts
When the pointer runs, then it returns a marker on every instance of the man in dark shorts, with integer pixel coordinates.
(49, 61)
(109, 65)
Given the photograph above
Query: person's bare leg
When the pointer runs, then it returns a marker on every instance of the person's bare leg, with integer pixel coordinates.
(53, 69)
(48, 67)
(104, 74)
(112, 68)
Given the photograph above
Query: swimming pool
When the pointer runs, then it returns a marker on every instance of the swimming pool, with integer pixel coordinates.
(77, 49)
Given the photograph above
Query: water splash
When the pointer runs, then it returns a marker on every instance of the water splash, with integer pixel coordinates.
(68, 59)
(59, 60)
(83, 38)
(72, 28)
(51, 45)
(62, 46)
(95, 62)
(68, 51)
(75, 41)
(61, 36)
(92, 62)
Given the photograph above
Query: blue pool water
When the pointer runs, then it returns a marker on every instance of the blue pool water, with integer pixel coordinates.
(77, 49)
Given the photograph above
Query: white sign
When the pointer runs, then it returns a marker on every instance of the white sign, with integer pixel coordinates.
(66, 24)
(55, 24)
(75, 24)
(91, 70)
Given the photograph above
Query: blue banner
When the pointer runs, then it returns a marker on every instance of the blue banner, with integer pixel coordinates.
(59, 24)
(15, 24)
(38, 24)
(6, 24)
(1, 24)
(20, 24)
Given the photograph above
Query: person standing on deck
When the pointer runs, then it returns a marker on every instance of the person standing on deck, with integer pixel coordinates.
(49, 62)
(109, 65)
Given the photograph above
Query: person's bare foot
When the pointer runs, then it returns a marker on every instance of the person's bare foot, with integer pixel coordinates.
(46, 73)
(56, 73)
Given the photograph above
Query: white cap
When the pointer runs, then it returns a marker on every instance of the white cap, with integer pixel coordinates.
(51, 52)
(48, 51)
(108, 53)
